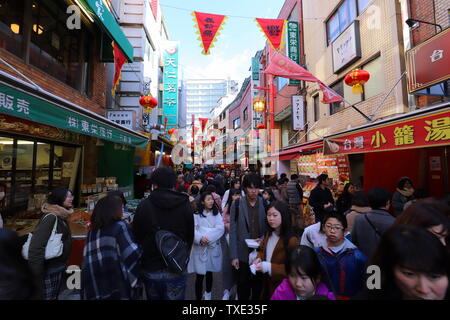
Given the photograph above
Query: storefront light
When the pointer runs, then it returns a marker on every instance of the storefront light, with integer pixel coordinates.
(38, 29)
(15, 28)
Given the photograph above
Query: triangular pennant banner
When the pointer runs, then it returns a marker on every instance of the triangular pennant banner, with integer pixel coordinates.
(329, 95)
(119, 60)
(203, 122)
(208, 26)
(282, 66)
(274, 30)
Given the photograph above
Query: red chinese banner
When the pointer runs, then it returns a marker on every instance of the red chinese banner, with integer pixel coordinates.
(282, 66)
(208, 26)
(203, 144)
(203, 122)
(274, 30)
(421, 131)
(119, 60)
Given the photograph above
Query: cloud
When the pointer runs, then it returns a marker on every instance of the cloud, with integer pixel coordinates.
(221, 67)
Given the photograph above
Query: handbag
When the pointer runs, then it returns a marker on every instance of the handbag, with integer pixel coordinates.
(54, 247)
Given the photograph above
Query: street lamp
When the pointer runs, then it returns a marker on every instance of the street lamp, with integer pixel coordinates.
(259, 104)
(411, 22)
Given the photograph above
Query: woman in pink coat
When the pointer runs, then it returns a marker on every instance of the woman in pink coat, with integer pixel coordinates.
(304, 277)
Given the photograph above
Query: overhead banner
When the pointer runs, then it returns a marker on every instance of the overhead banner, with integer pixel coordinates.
(422, 131)
(274, 30)
(170, 81)
(208, 26)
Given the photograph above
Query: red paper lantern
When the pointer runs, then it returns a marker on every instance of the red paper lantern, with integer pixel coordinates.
(356, 79)
(148, 101)
(261, 126)
(172, 131)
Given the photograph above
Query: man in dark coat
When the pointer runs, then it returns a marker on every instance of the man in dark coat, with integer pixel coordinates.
(321, 198)
(171, 211)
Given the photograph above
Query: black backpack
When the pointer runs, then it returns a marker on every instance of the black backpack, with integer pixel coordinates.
(173, 249)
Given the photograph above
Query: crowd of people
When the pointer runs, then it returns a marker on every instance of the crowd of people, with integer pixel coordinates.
(250, 230)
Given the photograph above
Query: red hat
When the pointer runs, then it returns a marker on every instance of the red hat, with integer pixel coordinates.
(210, 175)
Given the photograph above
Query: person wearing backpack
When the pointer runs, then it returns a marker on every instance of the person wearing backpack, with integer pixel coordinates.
(164, 212)
(368, 228)
(206, 254)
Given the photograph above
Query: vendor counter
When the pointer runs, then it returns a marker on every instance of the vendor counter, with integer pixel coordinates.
(79, 223)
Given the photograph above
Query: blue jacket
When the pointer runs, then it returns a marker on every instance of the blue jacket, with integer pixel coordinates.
(345, 270)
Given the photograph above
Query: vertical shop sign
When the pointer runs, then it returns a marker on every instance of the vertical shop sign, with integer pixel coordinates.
(170, 80)
(298, 113)
(293, 47)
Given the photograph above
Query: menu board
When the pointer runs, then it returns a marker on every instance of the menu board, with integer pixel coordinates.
(336, 166)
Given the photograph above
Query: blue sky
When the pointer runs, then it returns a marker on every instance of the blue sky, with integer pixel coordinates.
(239, 40)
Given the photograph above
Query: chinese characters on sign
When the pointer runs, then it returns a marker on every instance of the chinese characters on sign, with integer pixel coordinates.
(431, 130)
(124, 118)
(170, 81)
(274, 30)
(346, 48)
(293, 46)
(208, 26)
(18, 104)
(298, 113)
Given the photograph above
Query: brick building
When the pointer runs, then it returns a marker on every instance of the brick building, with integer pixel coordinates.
(53, 129)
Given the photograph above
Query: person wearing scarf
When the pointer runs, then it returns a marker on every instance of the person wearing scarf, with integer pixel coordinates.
(403, 194)
(48, 274)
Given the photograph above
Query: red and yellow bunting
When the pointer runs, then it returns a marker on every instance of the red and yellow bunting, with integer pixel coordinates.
(274, 30)
(208, 26)
(119, 60)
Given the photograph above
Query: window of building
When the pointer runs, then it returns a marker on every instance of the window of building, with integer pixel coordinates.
(337, 106)
(362, 4)
(246, 114)
(350, 96)
(11, 25)
(286, 126)
(376, 83)
(237, 123)
(341, 19)
(30, 167)
(281, 82)
(316, 107)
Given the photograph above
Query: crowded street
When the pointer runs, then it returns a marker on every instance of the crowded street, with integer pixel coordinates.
(241, 151)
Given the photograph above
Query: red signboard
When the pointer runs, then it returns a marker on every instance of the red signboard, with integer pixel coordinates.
(422, 131)
(429, 62)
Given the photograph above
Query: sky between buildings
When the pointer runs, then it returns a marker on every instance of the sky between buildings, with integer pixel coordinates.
(238, 42)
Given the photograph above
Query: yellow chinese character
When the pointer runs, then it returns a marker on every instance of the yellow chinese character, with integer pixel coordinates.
(404, 135)
(439, 130)
(377, 139)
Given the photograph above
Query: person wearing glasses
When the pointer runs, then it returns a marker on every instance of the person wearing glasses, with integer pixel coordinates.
(341, 261)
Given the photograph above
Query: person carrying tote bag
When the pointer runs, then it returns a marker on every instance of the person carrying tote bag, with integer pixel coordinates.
(48, 273)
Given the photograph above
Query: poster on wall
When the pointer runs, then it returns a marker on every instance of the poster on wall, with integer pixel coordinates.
(435, 164)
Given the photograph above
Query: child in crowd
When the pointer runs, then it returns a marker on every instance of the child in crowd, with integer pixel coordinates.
(304, 277)
(342, 262)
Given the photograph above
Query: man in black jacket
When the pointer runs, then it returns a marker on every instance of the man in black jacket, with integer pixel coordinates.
(321, 198)
(171, 211)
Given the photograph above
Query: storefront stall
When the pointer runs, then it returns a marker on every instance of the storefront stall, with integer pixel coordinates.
(47, 143)
(415, 144)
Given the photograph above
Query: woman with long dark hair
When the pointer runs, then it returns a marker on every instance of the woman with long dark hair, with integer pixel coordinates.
(403, 194)
(48, 274)
(206, 253)
(111, 261)
(414, 265)
(274, 248)
(344, 202)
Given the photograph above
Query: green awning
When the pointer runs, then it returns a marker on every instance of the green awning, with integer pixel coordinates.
(109, 24)
(21, 104)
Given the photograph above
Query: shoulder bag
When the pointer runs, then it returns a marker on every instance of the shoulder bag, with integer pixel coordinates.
(54, 247)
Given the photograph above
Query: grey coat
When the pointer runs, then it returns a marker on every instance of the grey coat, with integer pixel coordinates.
(363, 234)
(239, 231)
